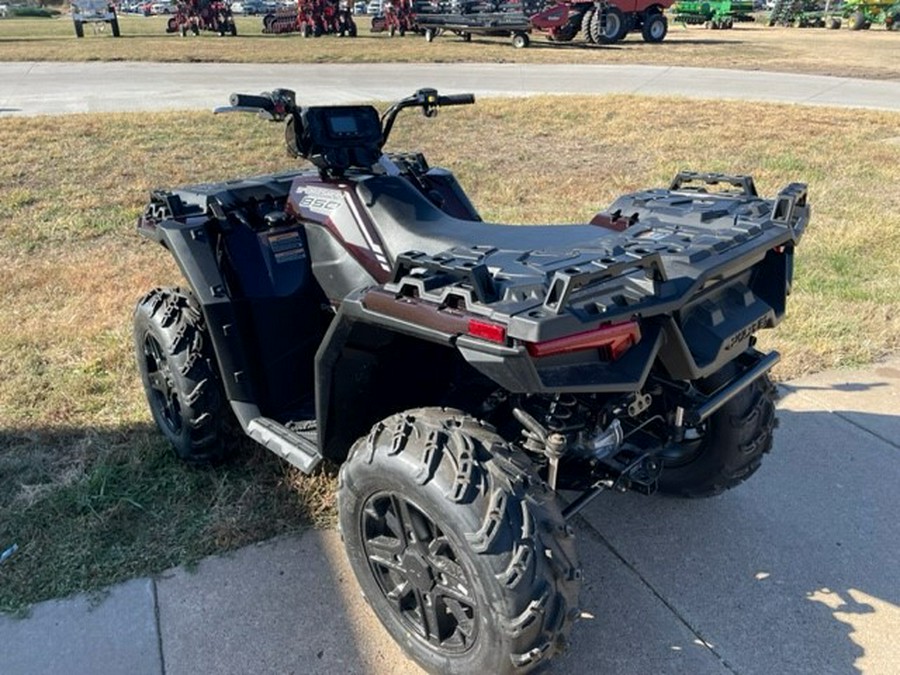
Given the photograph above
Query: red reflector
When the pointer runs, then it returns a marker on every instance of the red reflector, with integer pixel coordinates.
(487, 331)
(616, 339)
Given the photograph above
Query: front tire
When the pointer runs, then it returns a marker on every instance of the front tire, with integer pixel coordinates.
(609, 27)
(176, 364)
(586, 20)
(459, 547)
(729, 447)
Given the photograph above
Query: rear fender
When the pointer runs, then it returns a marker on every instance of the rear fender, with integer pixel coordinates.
(191, 247)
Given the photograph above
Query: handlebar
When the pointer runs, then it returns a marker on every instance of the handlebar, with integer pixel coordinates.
(456, 99)
(262, 102)
(273, 105)
(426, 99)
(279, 104)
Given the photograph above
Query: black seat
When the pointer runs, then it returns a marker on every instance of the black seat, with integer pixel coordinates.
(407, 221)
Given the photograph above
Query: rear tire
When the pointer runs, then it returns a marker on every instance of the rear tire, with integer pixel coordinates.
(459, 547)
(656, 26)
(728, 447)
(858, 21)
(177, 368)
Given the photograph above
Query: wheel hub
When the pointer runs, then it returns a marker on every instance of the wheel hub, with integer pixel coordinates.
(418, 571)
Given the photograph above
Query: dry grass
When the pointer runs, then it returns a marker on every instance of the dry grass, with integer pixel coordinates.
(868, 54)
(77, 450)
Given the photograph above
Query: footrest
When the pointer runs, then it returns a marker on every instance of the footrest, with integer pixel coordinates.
(299, 450)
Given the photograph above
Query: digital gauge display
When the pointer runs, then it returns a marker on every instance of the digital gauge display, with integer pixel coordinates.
(343, 125)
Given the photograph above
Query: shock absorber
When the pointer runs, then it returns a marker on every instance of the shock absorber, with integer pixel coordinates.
(562, 414)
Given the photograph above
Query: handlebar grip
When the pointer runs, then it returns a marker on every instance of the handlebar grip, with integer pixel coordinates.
(250, 101)
(456, 99)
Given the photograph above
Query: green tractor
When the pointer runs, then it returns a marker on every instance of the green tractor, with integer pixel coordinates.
(713, 13)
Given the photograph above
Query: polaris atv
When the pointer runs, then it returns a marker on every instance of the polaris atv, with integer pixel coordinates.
(465, 373)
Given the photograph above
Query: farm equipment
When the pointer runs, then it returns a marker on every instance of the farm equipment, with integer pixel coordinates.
(192, 16)
(313, 18)
(513, 19)
(598, 21)
(463, 374)
(94, 12)
(713, 13)
(862, 14)
(621, 17)
(803, 14)
(398, 17)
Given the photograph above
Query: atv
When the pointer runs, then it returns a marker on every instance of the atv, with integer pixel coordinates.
(465, 374)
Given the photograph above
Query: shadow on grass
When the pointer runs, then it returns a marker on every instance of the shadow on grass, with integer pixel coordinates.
(90, 507)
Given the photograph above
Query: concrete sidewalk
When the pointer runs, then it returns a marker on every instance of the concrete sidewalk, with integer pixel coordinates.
(795, 572)
(28, 88)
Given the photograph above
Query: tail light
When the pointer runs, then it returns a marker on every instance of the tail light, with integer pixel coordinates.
(487, 330)
(612, 340)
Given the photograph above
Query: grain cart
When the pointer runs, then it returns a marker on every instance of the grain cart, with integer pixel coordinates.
(713, 13)
(97, 13)
(192, 16)
(478, 383)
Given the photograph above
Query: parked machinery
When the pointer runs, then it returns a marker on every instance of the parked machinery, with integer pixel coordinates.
(862, 14)
(598, 21)
(313, 18)
(95, 12)
(396, 17)
(622, 17)
(803, 14)
(713, 13)
(196, 15)
(857, 14)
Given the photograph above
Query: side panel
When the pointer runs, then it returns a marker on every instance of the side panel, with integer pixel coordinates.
(192, 250)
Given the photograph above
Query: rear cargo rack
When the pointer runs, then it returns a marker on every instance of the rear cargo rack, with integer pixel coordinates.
(567, 282)
(683, 180)
(469, 271)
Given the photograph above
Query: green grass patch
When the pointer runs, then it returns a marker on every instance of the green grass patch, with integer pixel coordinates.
(88, 489)
(748, 46)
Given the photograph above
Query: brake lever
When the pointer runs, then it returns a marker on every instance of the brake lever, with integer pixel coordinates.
(263, 114)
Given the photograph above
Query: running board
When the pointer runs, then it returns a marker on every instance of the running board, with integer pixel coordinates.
(296, 449)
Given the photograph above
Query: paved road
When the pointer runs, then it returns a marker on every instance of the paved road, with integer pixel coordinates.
(53, 88)
(795, 572)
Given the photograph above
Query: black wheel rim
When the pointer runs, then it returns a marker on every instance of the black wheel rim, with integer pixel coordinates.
(164, 397)
(418, 571)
